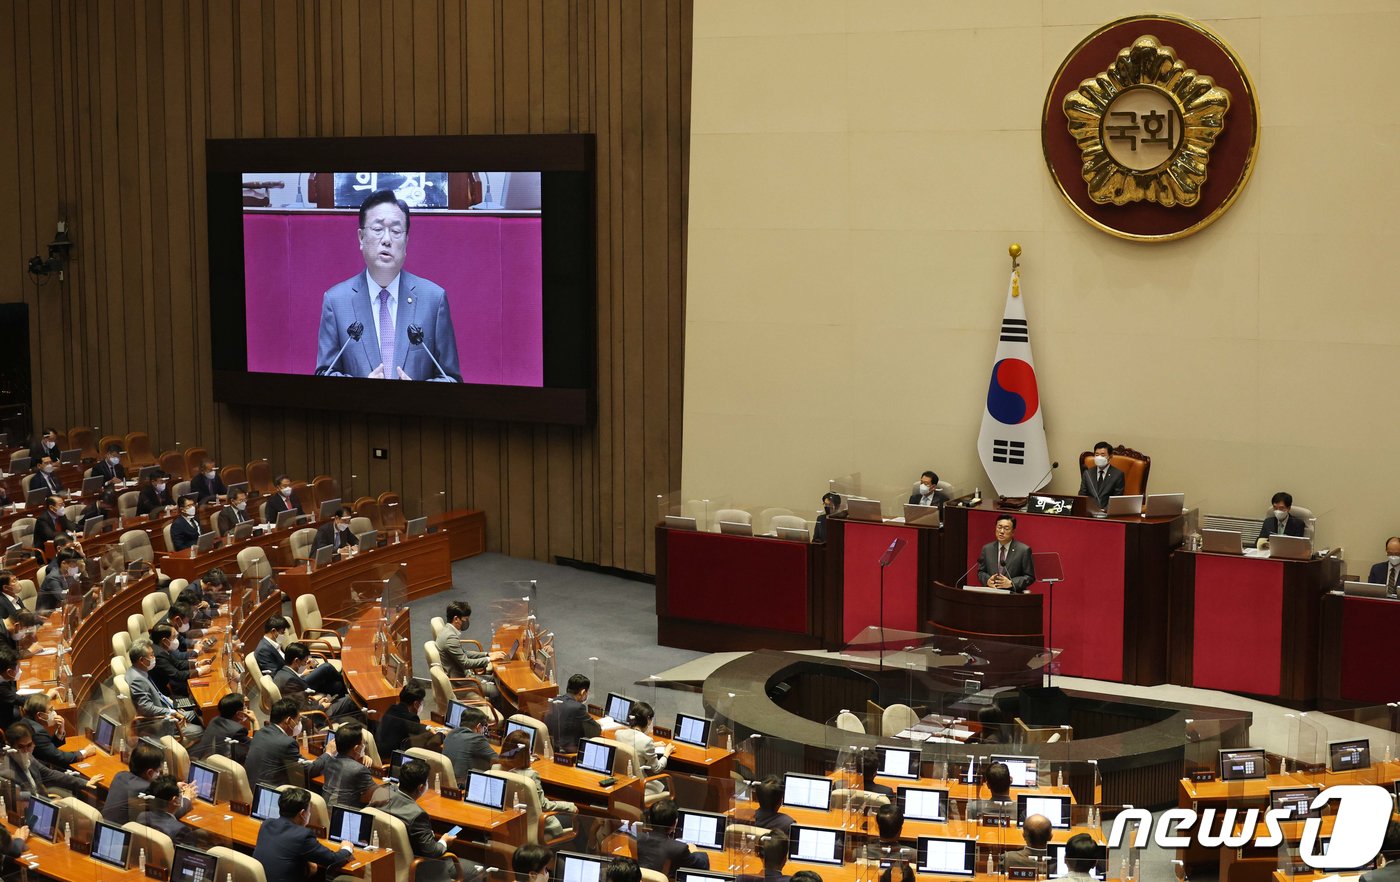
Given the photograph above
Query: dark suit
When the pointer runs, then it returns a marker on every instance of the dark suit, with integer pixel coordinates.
(569, 723)
(11, 705)
(1020, 567)
(183, 534)
(52, 591)
(124, 788)
(39, 778)
(293, 685)
(1101, 490)
(346, 782)
(230, 517)
(398, 725)
(420, 302)
(468, 751)
(1389, 873)
(939, 499)
(327, 534)
(273, 754)
(149, 500)
(108, 472)
(171, 675)
(420, 833)
(50, 483)
(48, 747)
(819, 530)
(773, 821)
(269, 658)
(39, 451)
(165, 822)
(277, 503)
(9, 606)
(1380, 575)
(204, 487)
(664, 854)
(215, 739)
(284, 849)
(47, 528)
(1291, 527)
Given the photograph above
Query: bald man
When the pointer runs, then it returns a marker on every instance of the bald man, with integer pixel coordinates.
(1036, 831)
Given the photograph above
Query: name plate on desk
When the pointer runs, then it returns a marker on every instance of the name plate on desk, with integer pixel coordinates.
(1202, 777)
(1027, 873)
(1052, 505)
(562, 760)
(154, 871)
(994, 820)
(662, 732)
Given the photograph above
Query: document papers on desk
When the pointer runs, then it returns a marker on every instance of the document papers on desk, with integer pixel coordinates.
(946, 857)
(702, 829)
(818, 845)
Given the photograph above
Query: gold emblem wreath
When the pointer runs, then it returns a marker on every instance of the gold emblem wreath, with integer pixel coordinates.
(1201, 104)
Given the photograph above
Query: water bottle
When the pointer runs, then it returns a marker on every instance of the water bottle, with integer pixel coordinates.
(374, 840)
(141, 861)
(437, 783)
(68, 834)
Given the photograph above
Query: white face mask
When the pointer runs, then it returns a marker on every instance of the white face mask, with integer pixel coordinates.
(189, 511)
(1394, 559)
(241, 506)
(114, 460)
(286, 491)
(48, 468)
(160, 488)
(184, 627)
(172, 645)
(1100, 461)
(71, 572)
(925, 489)
(1281, 515)
(296, 730)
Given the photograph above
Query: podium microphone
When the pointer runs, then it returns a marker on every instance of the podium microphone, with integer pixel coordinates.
(964, 576)
(415, 336)
(353, 334)
(1045, 478)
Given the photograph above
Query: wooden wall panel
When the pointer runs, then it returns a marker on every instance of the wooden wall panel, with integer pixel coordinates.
(112, 102)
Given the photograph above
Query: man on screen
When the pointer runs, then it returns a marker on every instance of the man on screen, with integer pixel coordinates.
(385, 323)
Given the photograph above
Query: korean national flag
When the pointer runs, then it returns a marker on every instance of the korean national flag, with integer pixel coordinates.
(1012, 441)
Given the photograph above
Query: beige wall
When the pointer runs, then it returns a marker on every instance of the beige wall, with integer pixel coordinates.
(857, 171)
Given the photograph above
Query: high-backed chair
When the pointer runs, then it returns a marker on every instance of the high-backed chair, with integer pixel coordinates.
(253, 562)
(173, 461)
(27, 592)
(1304, 514)
(138, 450)
(136, 627)
(437, 623)
(259, 476)
(897, 718)
(237, 866)
(440, 769)
(325, 487)
(301, 541)
(764, 522)
(1134, 465)
(316, 628)
(521, 790)
(233, 780)
(789, 522)
(849, 722)
(126, 503)
(626, 762)
(731, 515)
(120, 664)
(74, 514)
(176, 586)
(361, 525)
(153, 606)
(108, 440)
(543, 746)
(194, 458)
(79, 817)
(176, 756)
(391, 515)
(858, 800)
(84, 438)
(465, 689)
(234, 474)
(160, 850)
(136, 545)
(320, 814)
(180, 490)
(121, 644)
(367, 507)
(22, 532)
(372, 748)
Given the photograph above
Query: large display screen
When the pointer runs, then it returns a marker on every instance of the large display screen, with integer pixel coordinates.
(462, 287)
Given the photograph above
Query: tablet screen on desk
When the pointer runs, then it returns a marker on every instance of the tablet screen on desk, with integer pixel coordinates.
(1349, 756)
(265, 802)
(692, 730)
(619, 707)
(701, 829)
(106, 731)
(807, 791)
(205, 781)
(570, 867)
(348, 825)
(947, 857)
(1296, 800)
(701, 876)
(924, 804)
(193, 865)
(899, 762)
(110, 844)
(454, 714)
(1022, 769)
(43, 818)
(818, 845)
(596, 756)
(485, 790)
(1054, 808)
(1243, 764)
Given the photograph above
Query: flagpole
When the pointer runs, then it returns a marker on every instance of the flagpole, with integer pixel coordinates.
(1015, 252)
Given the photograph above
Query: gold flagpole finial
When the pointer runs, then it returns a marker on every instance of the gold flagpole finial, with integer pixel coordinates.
(1015, 252)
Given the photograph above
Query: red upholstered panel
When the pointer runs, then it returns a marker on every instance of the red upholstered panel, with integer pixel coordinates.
(1369, 672)
(737, 580)
(1238, 624)
(1088, 605)
(865, 543)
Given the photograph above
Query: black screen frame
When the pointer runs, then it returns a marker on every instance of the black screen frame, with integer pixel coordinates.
(568, 242)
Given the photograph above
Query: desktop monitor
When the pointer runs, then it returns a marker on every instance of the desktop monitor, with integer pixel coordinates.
(571, 867)
(1349, 756)
(454, 714)
(1022, 768)
(416, 526)
(43, 818)
(923, 803)
(349, 825)
(1243, 764)
(92, 486)
(701, 829)
(1055, 808)
(943, 856)
(596, 756)
(396, 764)
(265, 802)
(105, 733)
(1297, 800)
(512, 727)
(807, 791)
(618, 707)
(367, 540)
(193, 865)
(329, 508)
(1058, 870)
(286, 519)
(692, 730)
(817, 845)
(205, 780)
(485, 790)
(898, 762)
(110, 844)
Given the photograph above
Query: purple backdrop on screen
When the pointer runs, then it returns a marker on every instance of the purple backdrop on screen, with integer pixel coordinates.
(489, 266)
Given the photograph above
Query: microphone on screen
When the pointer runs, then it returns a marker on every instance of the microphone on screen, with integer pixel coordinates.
(352, 333)
(415, 337)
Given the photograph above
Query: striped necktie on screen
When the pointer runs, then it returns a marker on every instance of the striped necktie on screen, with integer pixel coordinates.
(386, 335)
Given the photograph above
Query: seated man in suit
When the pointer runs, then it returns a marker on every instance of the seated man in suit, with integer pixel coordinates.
(268, 652)
(768, 796)
(1282, 521)
(466, 746)
(999, 803)
(336, 532)
(831, 504)
(11, 702)
(10, 602)
(185, 530)
(774, 852)
(226, 734)
(1387, 572)
(286, 847)
(402, 803)
(161, 812)
(44, 477)
(49, 733)
(1006, 563)
(233, 514)
(1102, 480)
(47, 445)
(62, 573)
(348, 778)
(928, 492)
(51, 522)
(174, 669)
(658, 848)
(869, 768)
(282, 500)
(889, 822)
(273, 752)
(401, 721)
(155, 495)
(128, 785)
(110, 468)
(292, 684)
(150, 702)
(207, 484)
(33, 776)
(568, 720)
(459, 662)
(1036, 832)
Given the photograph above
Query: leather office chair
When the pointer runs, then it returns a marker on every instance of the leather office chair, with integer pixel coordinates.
(849, 722)
(176, 586)
(464, 689)
(544, 748)
(440, 769)
(789, 522)
(160, 850)
(176, 756)
(393, 834)
(233, 474)
(253, 563)
(520, 790)
(153, 606)
(391, 514)
(367, 507)
(320, 814)
(74, 514)
(27, 592)
(136, 545)
(180, 490)
(733, 516)
(857, 800)
(237, 866)
(315, 628)
(168, 539)
(126, 503)
(173, 462)
(259, 476)
(233, 780)
(25, 482)
(764, 523)
(301, 542)
(121, 644)
(22, 532)
(437, 623)
(108, 440)
(120, 664)
(138, 450)
(1134, 465)
(85, 440)
(360, 526)
(194, 458)
(897, 718)
(136, 627)
(79, 817)
(626, 762)
(325, 487)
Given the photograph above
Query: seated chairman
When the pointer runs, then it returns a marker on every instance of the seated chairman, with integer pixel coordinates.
(386, 302)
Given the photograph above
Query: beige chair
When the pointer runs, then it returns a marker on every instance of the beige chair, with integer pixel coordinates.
(253, 563)
(731, 515)
(849, 722)
(437, 624)
(897, 718)
(522, 791)
(120, 663)
(788, 522)
(361, 525)
(302, 542)
(22, 532)
(316, 628)
(160, 850)
(393, 834)
(177, 757)
(466, 690)
(136, 545)
(121, 644)
(626, 762)
(153, 606)
(27, 592)
(1305, 514)
(26, 481)
(320, 814)
(544, 748)
(440, 771)
(233, 780)
(1043, 734)
(764, 522)
(736, 834)
(176, 586)
(372, 748)
(74, 514)
(136, 627)
(167, 538)
(237, 866)
(858, 800)
(652, 875)
(127, 502)
(82, 817)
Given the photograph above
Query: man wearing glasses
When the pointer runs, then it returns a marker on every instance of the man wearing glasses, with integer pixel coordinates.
(1006, 563)
(385, 323)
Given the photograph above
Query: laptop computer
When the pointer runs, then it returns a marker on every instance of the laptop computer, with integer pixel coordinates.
(21, 463)
(792, 534)
(858, 509)
(93, 486)
(417, 526)
(1222, 541)
(1290, 547)
(680, 522)
(1365, 589)
(735, 528)
(243, 531)
(71, 457)
(286, 519)
(1123, 506)
(923, 515)
(1164, 505)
